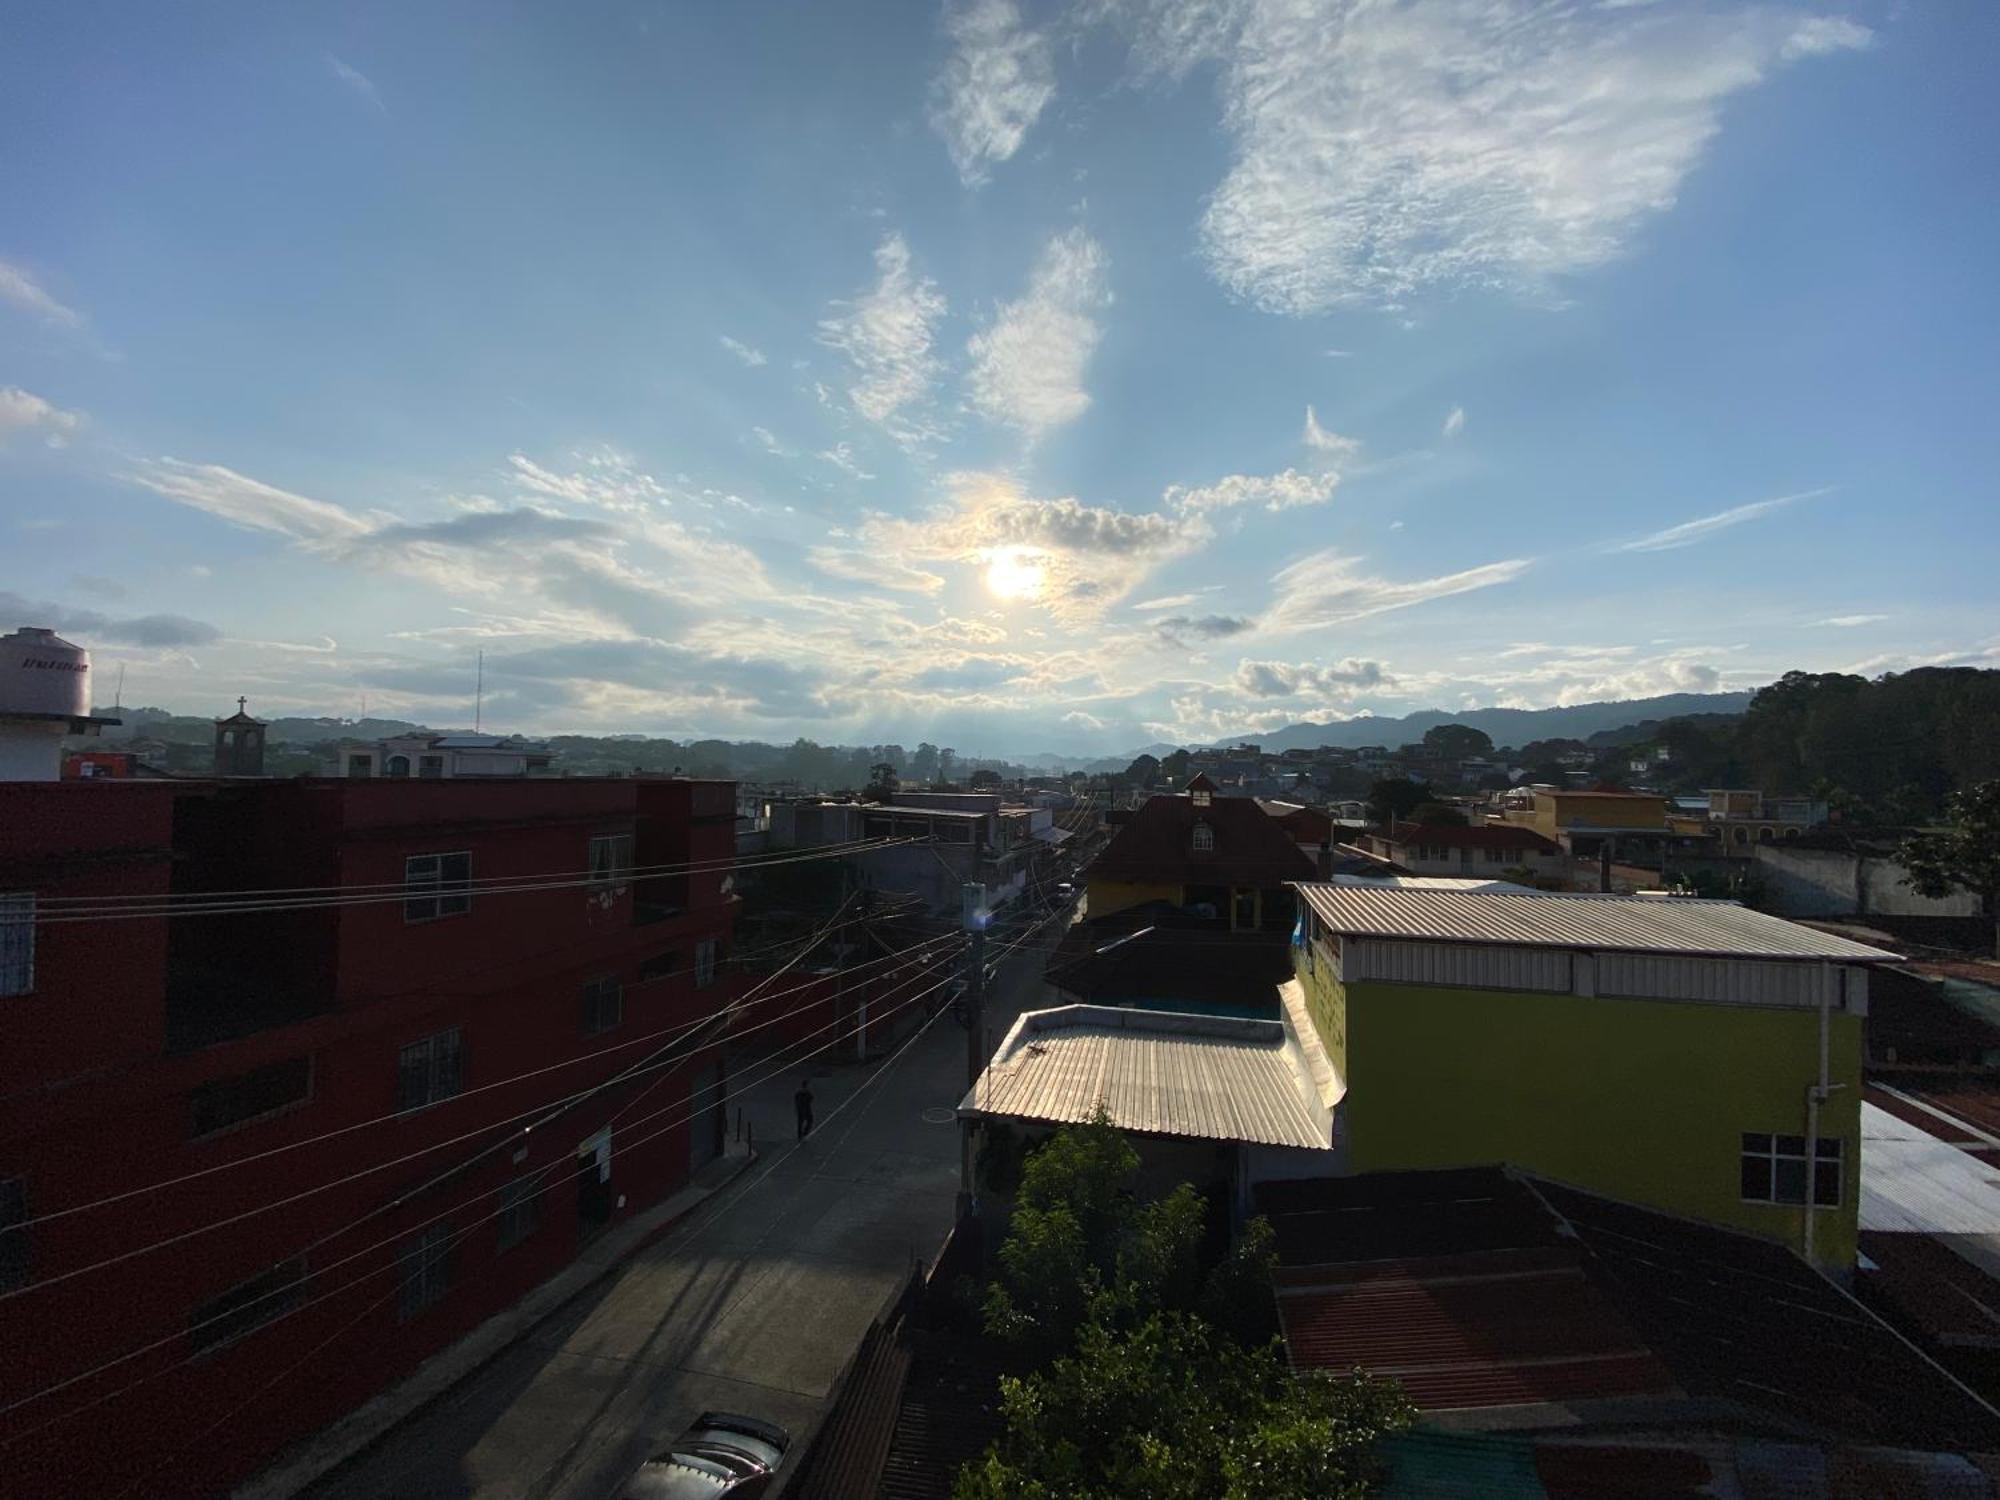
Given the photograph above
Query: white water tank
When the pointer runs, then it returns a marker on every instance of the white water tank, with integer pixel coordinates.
(44, 694)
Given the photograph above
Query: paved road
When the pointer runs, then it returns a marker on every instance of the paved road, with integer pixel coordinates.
(754, 1304)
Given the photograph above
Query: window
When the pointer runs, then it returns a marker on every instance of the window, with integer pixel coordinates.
(704, 963)
(17, 942)
(399, 765)
(260, 1300)
(360, 766)
(430, 767)
(430, 1070)
(1774, 1169)
(603, 1005)
(659, 966)
(248, 1096)
(434, 885)
(520, 1211)
(13, 1237)
(1204, 839)
(1201, 796)
(426, 1262)
(611, 859)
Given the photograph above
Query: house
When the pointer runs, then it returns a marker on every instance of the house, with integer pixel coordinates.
(1740, 821)
(356, 1054)
(1200, 850)
(1662, 1051)
(929, 845)
(1481, 849)
(442, 757)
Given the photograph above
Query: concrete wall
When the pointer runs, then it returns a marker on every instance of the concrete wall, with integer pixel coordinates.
(1837, 883)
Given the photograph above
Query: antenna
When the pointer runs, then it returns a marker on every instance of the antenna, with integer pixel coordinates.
(479, 694)
(118, 695)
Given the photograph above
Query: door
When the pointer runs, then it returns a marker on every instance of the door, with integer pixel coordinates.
(594, 1198)
(708, 1116)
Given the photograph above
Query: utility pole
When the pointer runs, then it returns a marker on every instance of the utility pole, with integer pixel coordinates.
(973, 916)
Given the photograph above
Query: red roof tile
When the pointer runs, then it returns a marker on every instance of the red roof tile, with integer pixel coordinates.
(1251, 847)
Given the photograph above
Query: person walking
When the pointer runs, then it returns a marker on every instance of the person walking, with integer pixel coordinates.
(802, 1102)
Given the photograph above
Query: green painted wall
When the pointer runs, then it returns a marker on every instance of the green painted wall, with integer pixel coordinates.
(1644, 1100)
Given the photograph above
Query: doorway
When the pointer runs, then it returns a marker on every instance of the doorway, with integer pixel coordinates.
(594, 1198)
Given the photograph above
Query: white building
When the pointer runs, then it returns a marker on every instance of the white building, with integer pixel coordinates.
(435, 757)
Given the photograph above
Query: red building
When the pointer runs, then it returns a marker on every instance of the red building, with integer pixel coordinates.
(358, 1044)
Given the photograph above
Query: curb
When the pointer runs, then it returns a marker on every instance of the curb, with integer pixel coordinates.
(374, 1421)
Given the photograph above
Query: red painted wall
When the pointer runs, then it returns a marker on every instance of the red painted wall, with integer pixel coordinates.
(509, 974)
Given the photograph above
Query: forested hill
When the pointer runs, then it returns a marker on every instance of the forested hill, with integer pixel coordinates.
(1504, 726)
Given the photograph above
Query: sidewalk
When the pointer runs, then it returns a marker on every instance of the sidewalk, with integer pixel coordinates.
(435, 1377)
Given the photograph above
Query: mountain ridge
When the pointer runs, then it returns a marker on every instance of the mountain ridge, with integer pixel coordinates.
(1505, 726)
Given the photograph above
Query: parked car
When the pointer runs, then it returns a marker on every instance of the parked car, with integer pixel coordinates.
(721, 1455)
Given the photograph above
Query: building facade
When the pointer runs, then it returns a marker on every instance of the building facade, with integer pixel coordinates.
(1480, 851)
(1672, 1053)
(1196, 849)
(297, 1127)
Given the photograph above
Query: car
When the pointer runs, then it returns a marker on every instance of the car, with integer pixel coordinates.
(721, 1455)
(1065, 890)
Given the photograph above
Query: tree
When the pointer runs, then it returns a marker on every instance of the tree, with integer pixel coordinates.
(1967, 854)
(1175, 1409)
(1174, 767)
(1144, 771)
(1457, 741)
(881, 781)
(984, 780)
(924, 764)
(1438, 815)
(1395, 797)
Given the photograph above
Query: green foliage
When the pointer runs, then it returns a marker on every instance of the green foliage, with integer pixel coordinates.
(1457, 741)
(1395, 797)
(1175, 766)
(1144, 771)
(1002, 1155)
(1438, 815)
(1966, 854)
(1176, 1409)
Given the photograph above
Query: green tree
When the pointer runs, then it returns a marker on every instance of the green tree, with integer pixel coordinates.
(1175, 1409)
(1438, 815)
(1175, 766)
(984, 780)
(1144, 771)
(1967, 854)
(924, 764)
(1457, 741)
(1395, 797)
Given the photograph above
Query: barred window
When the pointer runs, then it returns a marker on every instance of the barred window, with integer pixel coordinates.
(611, 859)
(436, 885)
(603, 1005)
(704, 963)
(1204, 839)
(520, 1211)
(430, 1070)
(426, 1266)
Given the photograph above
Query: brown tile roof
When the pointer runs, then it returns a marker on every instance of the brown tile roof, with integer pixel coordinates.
(1251, 847)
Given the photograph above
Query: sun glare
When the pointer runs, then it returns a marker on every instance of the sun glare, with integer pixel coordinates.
(1014, 573)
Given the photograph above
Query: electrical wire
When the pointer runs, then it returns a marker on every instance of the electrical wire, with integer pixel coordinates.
(445, 1104)
(546, 1110)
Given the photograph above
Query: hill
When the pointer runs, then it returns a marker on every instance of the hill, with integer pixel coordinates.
(1505, 726)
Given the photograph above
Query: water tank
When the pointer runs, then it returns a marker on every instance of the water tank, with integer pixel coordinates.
(41, 673)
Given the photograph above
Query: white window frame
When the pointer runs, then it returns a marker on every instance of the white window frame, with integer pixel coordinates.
(1204, 839)
(434, 1048)
(17, 942)
(610, 859)
(427, 895)
(1771, 1158)
(704, 962)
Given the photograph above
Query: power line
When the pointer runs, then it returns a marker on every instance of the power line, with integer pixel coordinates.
(646, 1065)
(400, 1114)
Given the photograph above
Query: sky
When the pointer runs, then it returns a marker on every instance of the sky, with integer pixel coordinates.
(1023, 378)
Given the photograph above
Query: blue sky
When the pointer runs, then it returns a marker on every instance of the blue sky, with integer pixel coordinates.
(1011, 376)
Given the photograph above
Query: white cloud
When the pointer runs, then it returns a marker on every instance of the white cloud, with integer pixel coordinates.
(1381, 150)
(1027, 369)
(356, 80)
(868, 567)
(1454, 424)
(1076, 718)
(1173, 601)
(751, 357)
(1185, 630)
(21, 289)
(886, 334)
(250, 503)
(1689, 532)
(1849, 622)
(1327, 588)
(1284, 491)
(768, 441)
(1340, 679)
(22, 411)
(841, 456)
(997, 83)
(1318, 437)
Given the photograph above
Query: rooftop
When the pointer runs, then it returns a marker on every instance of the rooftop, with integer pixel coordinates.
(1630, 924)
(1472, 836)
(1204, 1077)
(1157, 844)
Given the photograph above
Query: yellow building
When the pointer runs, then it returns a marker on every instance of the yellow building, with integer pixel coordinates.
(1556, 813)
(1672, 1053)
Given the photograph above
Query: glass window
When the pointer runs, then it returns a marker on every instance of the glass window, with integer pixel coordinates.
(611, 859)
(704, 963)
(430, 1070)
(1204, 839)
(430, 767)
(436, 885)
(248, 1096)
(520, 1211)
(659, 966)
(360, 766)
(260, 1300)
(17, 942)
(603, 1005)
(426, 1263)
(399, 765)
(1775, 1170)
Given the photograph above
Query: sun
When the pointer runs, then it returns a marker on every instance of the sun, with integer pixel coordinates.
(1015, 573)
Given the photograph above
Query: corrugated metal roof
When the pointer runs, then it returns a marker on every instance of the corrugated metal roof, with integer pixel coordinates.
(1636, 924)
(1208, 1077)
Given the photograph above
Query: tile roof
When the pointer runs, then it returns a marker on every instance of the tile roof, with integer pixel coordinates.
(1157, 844)
(1206, 1077)
(1634, 924)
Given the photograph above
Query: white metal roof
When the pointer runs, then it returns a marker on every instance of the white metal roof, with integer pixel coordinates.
(1632, 924)
(1914, 1183)
(1216, 1078)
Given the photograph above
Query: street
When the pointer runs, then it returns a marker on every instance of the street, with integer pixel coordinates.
(753, 1304)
